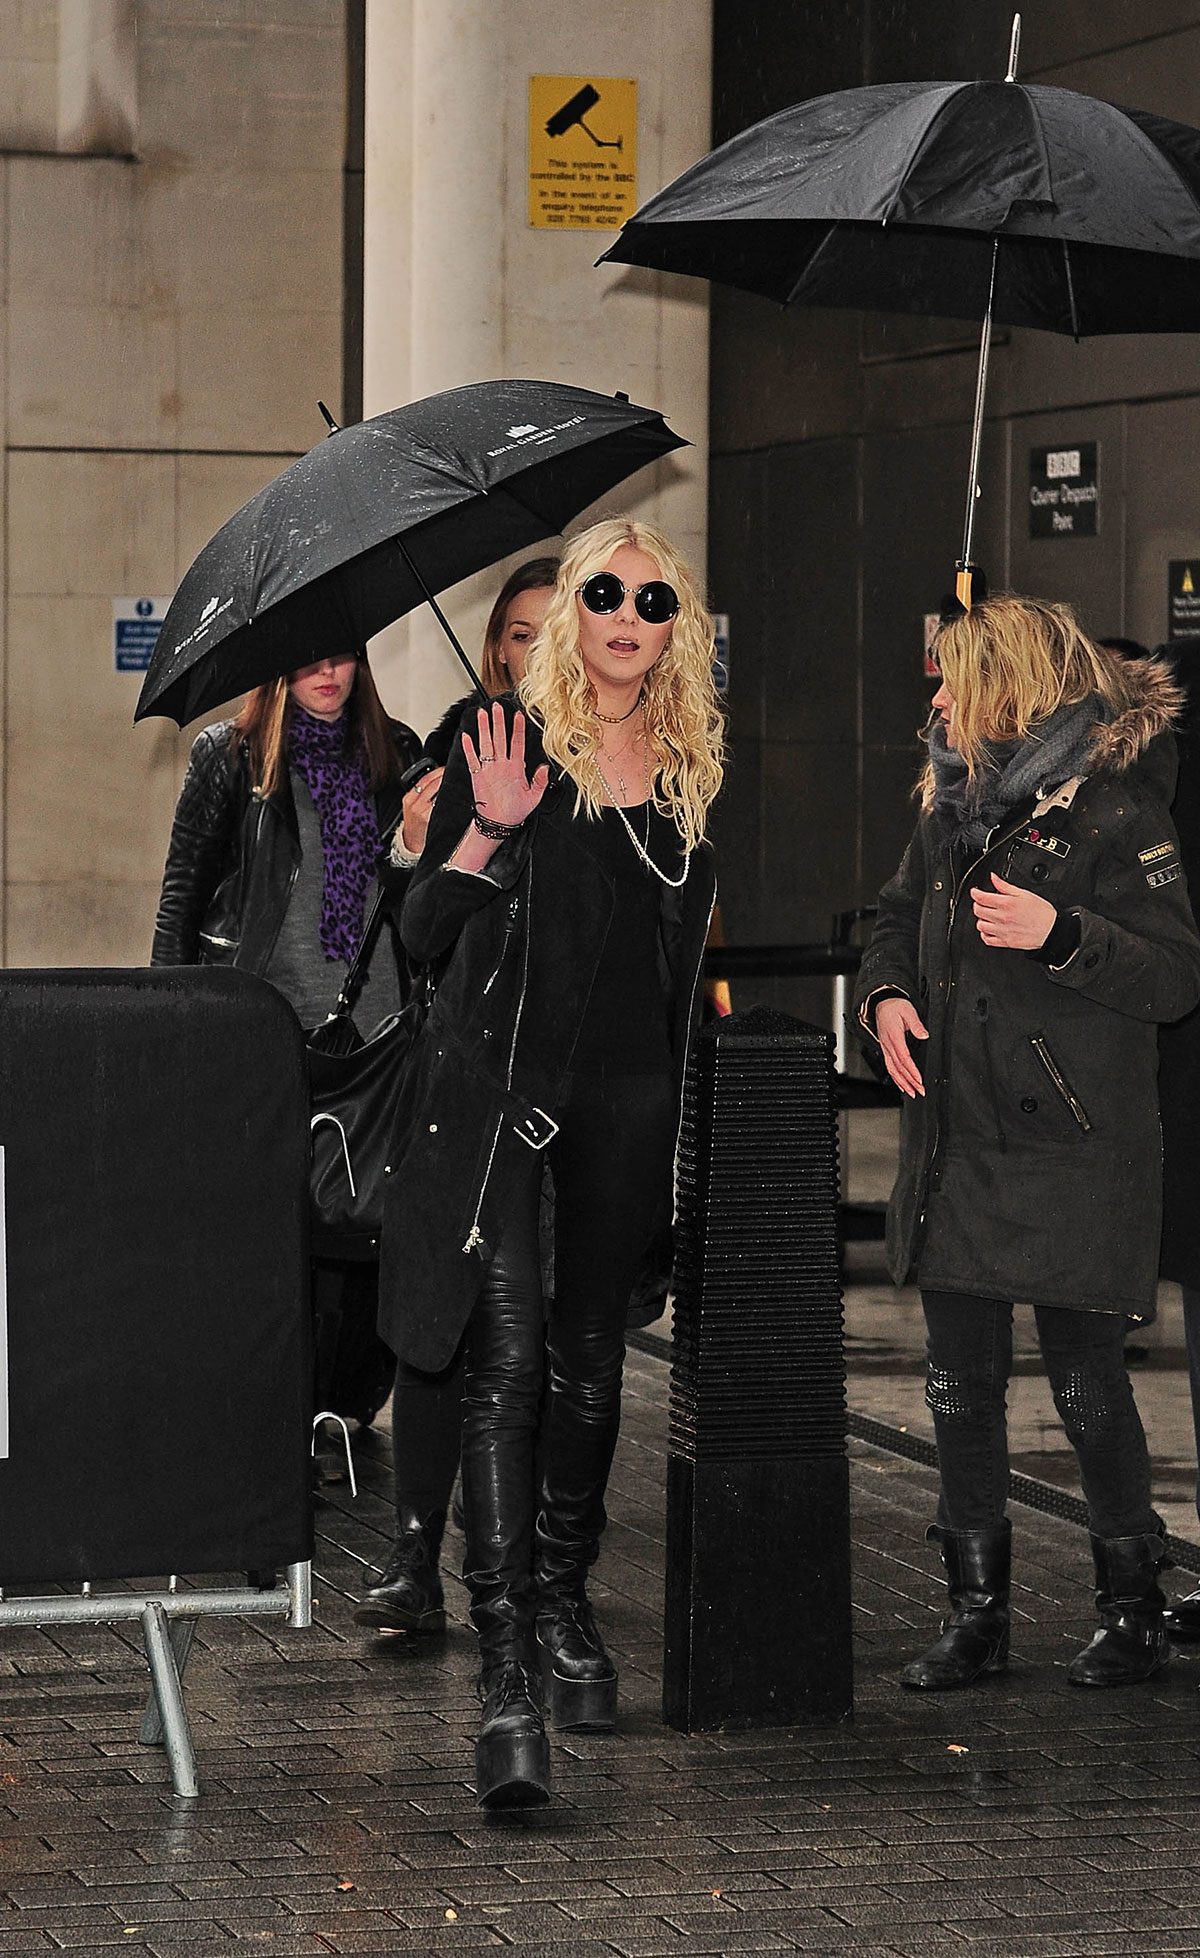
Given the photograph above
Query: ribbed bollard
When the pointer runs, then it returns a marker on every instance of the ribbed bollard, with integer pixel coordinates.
(757, 1626)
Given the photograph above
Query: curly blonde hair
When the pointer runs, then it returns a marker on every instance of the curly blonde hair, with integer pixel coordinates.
(1010, 663)
(685, 726)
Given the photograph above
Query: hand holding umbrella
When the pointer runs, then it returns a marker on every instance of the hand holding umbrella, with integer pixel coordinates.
(993, 201)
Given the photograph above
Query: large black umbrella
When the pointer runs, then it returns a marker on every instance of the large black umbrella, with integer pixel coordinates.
(379, 517)
(990, 201)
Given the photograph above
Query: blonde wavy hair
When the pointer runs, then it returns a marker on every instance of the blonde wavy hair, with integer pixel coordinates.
(685, 726)
(1010, 663)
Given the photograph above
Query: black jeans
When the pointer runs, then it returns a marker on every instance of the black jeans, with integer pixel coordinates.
(970, 1359)
(611, 1161)
(426, 1438)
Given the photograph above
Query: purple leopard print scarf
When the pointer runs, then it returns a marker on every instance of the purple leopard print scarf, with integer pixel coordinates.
(321, 753)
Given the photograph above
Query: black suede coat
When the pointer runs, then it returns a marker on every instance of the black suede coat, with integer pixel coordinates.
(490, 1060)
(1031, 1170)
(233, 856)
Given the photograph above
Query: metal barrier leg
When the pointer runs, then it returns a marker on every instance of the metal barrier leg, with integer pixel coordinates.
(169, 1694)
(181, 1632)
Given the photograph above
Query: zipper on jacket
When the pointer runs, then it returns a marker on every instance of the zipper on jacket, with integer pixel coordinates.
(474, 1237)
(1060, 1082)
(982, 1009)
(509, 928)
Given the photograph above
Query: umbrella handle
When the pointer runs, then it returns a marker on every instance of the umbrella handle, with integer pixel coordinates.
(441, 618)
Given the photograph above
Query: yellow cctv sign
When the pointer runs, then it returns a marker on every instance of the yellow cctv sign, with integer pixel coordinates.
(582, 152)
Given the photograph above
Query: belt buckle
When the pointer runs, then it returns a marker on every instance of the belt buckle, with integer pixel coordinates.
(537, 1128)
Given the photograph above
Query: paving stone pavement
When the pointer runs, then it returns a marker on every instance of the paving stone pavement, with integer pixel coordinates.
(337, 1812)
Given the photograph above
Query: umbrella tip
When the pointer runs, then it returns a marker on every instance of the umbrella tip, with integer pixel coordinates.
(333, 427)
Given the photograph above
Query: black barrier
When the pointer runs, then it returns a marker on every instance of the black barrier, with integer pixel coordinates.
(758, 1520)
(838, 959)
(157, 1371)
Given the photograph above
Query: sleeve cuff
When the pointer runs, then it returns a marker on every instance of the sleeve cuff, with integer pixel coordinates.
(1061, 942)
(398, 856)
(866, 1012)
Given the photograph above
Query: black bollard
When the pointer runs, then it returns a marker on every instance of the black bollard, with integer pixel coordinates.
(757, 1630)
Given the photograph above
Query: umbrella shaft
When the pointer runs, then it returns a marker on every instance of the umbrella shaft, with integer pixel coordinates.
(442, 620)
(985, 346)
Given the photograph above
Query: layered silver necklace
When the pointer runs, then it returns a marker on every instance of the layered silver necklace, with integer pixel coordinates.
(643, 849)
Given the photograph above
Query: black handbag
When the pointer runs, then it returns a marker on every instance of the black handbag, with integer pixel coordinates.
(354, 1085)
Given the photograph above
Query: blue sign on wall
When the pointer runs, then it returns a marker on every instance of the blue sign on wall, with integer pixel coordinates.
(136, 626)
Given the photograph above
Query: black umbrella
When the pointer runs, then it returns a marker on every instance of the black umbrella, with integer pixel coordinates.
(380, 517)
(998, 201)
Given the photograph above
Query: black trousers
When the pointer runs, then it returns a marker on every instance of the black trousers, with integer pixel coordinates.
(611, 1160)
(970, 1359)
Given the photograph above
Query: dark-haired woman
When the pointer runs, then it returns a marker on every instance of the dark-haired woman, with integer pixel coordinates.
(1036, 932)
(427, 1407)
(271, 868)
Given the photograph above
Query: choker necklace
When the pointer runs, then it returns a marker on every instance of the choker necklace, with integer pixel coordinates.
(614, 720)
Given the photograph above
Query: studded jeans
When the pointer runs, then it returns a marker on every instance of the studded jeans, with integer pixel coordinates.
(969, 1350)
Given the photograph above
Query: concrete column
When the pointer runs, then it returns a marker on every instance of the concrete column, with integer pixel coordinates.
(459, 287)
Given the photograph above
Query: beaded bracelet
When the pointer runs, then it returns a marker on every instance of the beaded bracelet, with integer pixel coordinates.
(495, 832)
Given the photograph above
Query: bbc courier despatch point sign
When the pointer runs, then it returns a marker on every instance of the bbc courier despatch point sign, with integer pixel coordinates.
(1064, 491)
(582, 152)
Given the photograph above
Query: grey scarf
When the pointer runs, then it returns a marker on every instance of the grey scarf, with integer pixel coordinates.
(1010, 773)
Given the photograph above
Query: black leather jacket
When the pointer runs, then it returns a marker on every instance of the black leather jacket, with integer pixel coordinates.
(233, 857)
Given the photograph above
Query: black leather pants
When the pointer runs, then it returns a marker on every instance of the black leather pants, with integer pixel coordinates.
(611, 1162)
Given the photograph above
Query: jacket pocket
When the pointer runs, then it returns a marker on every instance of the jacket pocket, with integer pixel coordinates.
(1062, 1086)
(981, 1010)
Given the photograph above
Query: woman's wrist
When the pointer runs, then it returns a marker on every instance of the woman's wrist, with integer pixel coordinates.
(495, 832)
(474, 851)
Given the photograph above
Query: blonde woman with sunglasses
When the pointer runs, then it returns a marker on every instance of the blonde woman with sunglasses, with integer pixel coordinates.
(567, 886)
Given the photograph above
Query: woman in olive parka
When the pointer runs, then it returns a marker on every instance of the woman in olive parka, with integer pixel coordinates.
(1035, 934)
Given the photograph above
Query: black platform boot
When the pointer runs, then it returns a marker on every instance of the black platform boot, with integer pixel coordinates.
(579, 1678)
(512, 1754)
(408, 1597)
(975, 1630)
(1132, 1642)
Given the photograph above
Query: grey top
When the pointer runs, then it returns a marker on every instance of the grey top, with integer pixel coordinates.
(298, 967)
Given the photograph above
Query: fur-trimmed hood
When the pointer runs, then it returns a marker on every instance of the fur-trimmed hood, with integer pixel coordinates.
(1157, 706)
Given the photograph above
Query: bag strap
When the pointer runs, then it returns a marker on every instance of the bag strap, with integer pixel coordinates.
(356, 971)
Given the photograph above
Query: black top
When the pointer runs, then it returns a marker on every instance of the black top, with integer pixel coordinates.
(624, 1028)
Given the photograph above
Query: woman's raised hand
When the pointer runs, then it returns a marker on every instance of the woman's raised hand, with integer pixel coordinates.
(895, 1020)
(503, 792)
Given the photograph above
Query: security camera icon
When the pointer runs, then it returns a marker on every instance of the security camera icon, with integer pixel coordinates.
(574, 111)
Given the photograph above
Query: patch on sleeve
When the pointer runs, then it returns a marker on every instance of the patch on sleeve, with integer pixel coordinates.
(1167, 875)
(1156, 855)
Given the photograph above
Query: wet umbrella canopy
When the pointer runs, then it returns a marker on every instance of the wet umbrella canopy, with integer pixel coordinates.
(991, 201)
(890, 198)
(360, 530)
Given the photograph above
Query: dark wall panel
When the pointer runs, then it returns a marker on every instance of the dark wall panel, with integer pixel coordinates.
(811, 679)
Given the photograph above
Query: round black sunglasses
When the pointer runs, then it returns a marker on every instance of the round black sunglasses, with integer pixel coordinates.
(655, 601)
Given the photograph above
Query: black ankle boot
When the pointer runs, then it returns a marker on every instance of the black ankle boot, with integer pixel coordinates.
(1182, 1619)
(579, 1678)
(408, 1597)
(512, 1754)
(1132, 1642)
(975, 1630)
